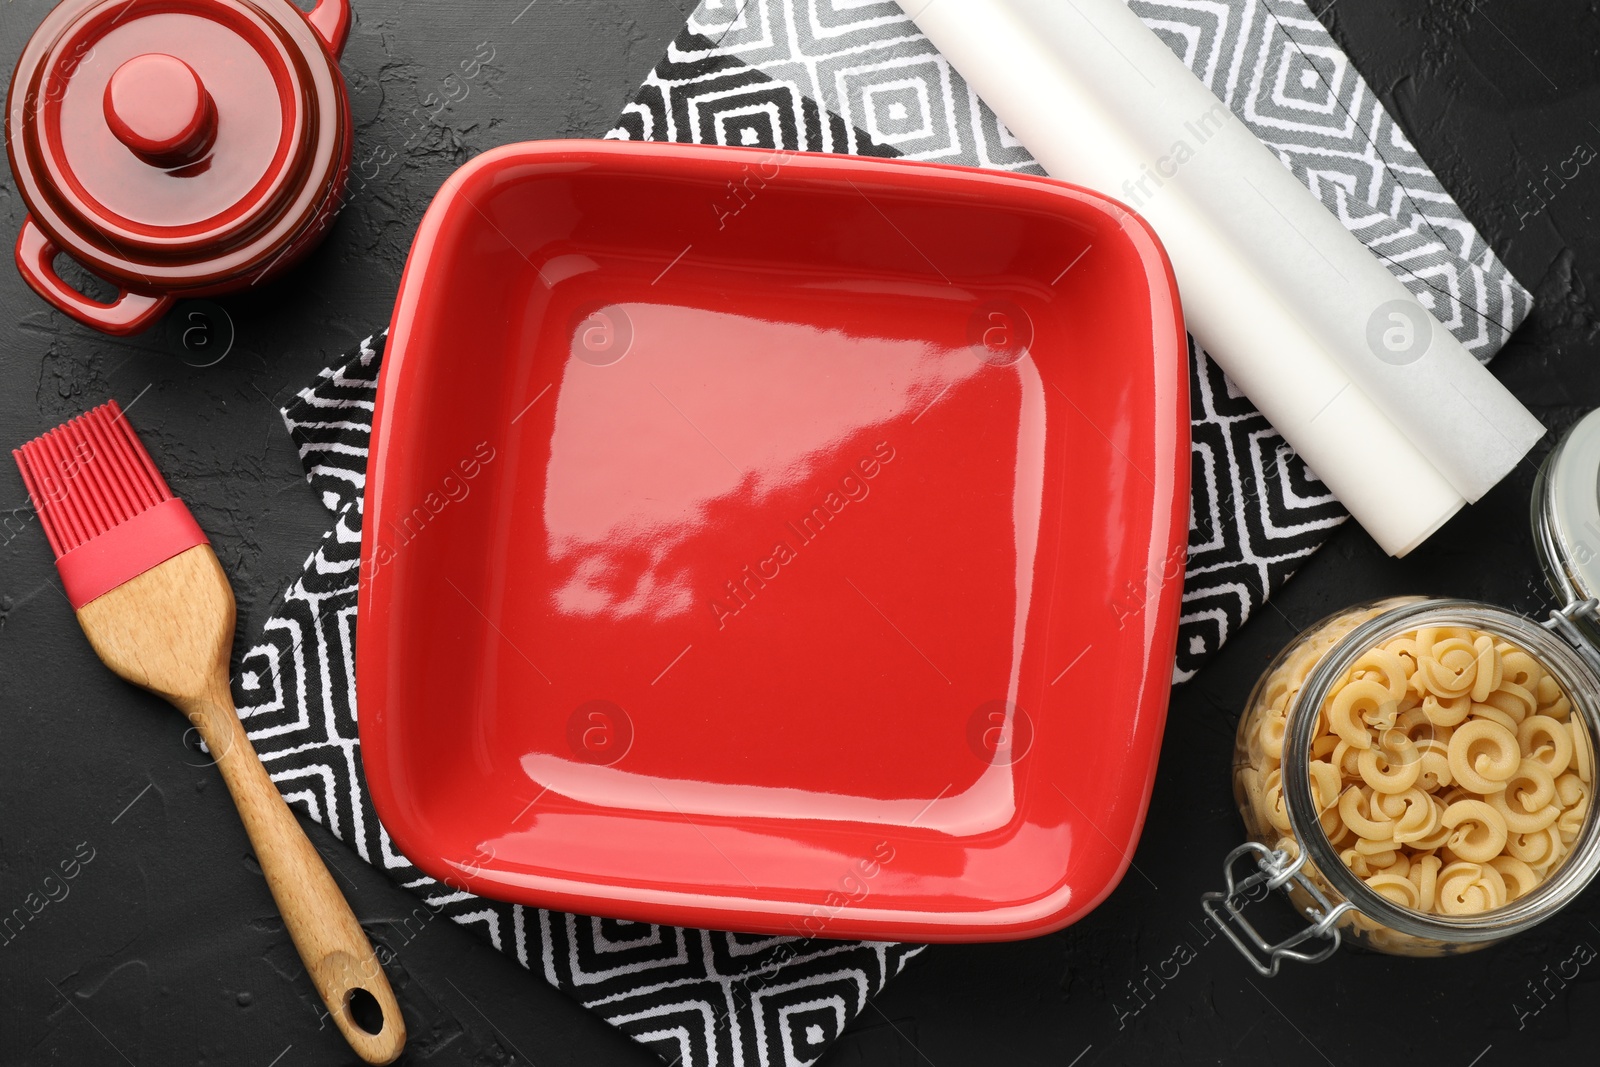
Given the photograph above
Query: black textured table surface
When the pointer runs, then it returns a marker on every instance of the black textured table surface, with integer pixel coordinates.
(166, 948)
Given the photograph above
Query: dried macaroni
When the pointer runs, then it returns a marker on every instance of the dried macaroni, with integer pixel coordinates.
(1447, 767)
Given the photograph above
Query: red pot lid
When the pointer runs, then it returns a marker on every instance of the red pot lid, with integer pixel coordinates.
(173, 145)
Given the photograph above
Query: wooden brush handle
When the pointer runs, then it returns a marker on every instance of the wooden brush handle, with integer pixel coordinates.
(334, 948)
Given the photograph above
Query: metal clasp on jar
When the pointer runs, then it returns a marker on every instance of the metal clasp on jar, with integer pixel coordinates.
(1275, 870)
(1564, 623)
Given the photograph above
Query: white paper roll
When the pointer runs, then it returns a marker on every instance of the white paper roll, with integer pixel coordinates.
(1382, 402)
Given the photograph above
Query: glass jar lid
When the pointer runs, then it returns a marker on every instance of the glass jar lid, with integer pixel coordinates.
(1566, 513)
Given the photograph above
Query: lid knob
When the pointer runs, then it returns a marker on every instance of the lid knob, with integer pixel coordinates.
(156, 105)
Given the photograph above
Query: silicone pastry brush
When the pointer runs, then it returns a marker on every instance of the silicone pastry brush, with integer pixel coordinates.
(158, 610)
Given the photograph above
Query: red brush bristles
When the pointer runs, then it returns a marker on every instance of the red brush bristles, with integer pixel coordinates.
(88, 476)
(104, 506)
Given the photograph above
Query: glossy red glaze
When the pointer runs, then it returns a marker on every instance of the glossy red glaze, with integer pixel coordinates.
(724, 508)
(155, 105)
(178, 147)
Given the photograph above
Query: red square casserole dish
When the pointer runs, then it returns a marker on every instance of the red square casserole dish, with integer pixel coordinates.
(774, 542)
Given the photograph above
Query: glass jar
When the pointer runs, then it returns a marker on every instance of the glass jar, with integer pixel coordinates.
(1289, 848)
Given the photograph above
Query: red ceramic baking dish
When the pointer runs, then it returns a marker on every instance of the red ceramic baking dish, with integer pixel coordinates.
(774, 542)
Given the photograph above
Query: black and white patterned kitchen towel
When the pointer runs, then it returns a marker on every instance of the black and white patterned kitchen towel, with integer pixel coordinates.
(856, 76)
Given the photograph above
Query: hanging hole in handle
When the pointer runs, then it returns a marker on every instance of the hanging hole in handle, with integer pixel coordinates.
(364, 1010)
(84, 280)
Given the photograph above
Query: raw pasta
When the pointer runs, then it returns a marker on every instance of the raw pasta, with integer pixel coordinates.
(1447, 767)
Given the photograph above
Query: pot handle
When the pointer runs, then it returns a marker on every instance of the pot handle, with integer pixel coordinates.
(128, 314)
(331, 20)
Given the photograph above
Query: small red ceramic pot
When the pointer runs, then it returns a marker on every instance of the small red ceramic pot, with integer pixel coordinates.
(176, 148)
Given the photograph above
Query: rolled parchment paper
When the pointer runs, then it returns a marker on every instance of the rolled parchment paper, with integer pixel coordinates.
(1399, 421)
